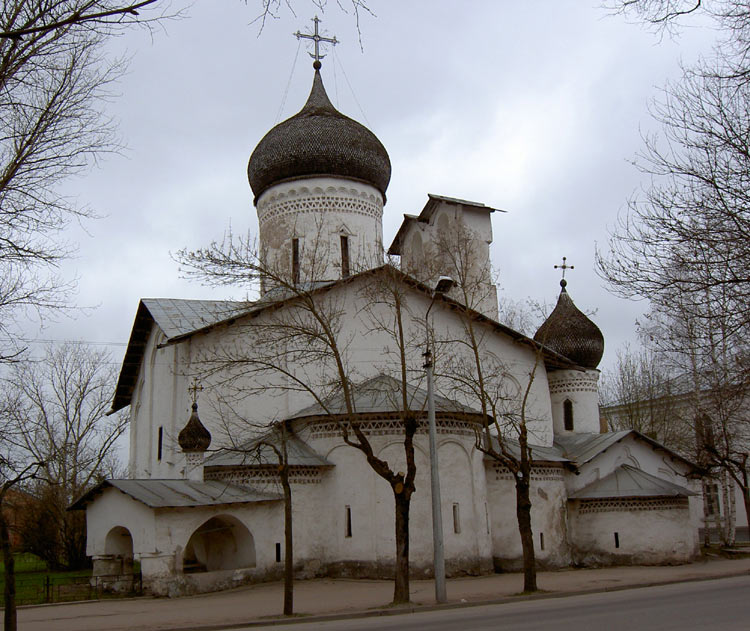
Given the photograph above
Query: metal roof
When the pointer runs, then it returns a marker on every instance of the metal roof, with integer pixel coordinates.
(627, 481)
(381, 395)
(260, 452)
(175, 318)
(539, 453)
(178, 493)
(178, 317)
(584, 447)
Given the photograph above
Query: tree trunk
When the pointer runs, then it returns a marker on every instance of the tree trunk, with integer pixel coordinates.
(401, 584)
(523, 513)
(288, 547)
(746, 494)
(10, 577)
(288, 533)
(706, 515)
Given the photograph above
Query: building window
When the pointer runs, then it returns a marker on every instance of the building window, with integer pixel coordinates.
(348, 520)
(568, 414)
(344, 256)
(159, 443)
(712, 499)
(456, 519)
(278, 553)
(541, 541)
(295, 261)
(617, 540)
(487, 517)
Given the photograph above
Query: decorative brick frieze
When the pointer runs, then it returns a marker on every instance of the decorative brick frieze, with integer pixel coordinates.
(628, 505)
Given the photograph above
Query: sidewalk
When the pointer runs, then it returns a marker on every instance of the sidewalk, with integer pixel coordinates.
(323, 597)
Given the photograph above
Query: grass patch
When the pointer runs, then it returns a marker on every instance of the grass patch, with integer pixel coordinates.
(34, 584)
(26, 562)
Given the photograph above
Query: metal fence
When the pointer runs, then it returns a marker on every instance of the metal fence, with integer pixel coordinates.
(37, 589)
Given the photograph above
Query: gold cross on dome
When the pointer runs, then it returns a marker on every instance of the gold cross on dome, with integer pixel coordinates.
(316, 38)
(564, 266)
(194, 389)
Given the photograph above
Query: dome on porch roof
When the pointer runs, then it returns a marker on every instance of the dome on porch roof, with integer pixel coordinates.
(194, 436)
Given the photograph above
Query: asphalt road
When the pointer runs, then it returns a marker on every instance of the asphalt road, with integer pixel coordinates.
(717, 605)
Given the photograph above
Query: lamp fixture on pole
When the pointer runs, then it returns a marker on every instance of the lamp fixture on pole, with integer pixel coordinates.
(443, 285)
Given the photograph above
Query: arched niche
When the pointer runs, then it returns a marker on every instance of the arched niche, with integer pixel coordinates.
(221, 543)
(118, 550)
(119, 542)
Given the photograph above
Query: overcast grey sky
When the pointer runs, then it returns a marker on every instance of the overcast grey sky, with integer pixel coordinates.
(535, 107)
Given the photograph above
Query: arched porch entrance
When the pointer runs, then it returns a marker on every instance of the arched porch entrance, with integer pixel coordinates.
(221, 543)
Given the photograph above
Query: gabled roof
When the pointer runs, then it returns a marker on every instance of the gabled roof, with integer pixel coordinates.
(583, 447)
(178, 493)
(539, 453)
(382, 395)
(260, 452)
(175, 318)
(179, 322)
(627, 481)
(178, 317)
(427, 212)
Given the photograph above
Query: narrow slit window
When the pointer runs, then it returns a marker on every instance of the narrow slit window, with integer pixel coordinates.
(568, 414)
(159, 443)
(348, 518)
(456, 519)
(295, 261)
(278, 553)
(541, 541)
(344, 256)
(617, 540)
(487, 517)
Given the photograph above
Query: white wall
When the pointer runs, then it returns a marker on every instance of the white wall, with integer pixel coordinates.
(318, 211)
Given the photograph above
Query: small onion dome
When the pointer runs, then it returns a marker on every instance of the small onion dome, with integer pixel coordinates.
(318, 141)
(569, 332)
(194, 436)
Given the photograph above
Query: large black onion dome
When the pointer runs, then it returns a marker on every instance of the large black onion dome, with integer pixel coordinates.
(318, 140)
(569, 332)
(194, 436)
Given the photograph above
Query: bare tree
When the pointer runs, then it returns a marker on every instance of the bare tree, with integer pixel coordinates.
(43, 16)
(57, 416)
(708, 390)
(53, 80)
(301, 346)
(480, 376)
(730, 19)
(683, 243)
(641, 392)
(11, 476)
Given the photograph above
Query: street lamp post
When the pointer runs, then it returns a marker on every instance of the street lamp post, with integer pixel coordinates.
(443, 285)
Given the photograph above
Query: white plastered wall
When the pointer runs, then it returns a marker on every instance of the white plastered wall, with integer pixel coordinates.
(657, 462)
(160, 536)
(423, 239)
(365, 358)
(318, 211)
(581, 387)
(548, 519)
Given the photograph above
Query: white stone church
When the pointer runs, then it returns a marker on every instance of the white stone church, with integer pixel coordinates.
(198, 513)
